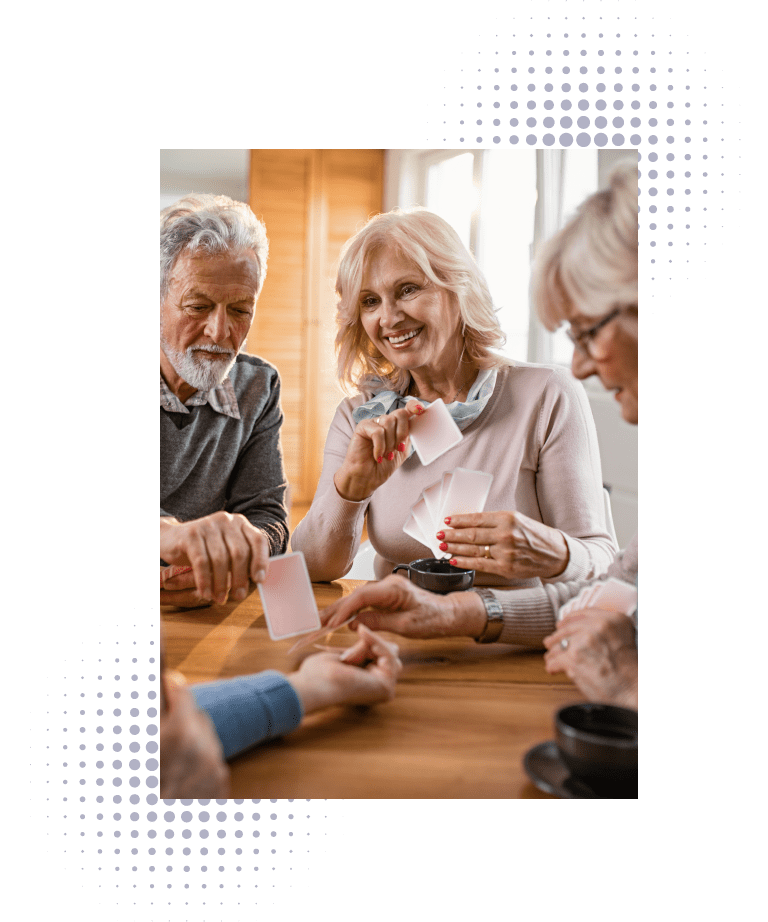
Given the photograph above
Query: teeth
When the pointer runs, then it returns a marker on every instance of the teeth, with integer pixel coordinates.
(404, 338)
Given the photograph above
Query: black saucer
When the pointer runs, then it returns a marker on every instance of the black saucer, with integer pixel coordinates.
(550, 774)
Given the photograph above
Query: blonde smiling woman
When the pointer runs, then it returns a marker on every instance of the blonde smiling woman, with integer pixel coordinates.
(586, 277)
(416, 323)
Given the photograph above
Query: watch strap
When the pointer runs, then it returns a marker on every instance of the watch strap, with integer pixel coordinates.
(495, 623)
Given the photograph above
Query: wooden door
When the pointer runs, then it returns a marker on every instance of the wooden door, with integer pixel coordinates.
(311, 201)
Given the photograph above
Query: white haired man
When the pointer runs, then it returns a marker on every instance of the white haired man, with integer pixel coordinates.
(222, 484)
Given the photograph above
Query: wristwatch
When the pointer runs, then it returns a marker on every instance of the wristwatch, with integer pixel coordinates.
(495, 622)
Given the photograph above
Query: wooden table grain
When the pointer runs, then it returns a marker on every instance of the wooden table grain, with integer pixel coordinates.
(464, 716)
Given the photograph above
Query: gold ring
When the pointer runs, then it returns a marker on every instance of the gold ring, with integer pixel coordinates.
(487, 553)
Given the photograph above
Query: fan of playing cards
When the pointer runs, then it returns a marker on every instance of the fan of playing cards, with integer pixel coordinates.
(457, 492)
(608, 595)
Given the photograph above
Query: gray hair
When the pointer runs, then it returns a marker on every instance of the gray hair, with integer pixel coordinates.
(211, 224)
(434, 246)
(591, 263)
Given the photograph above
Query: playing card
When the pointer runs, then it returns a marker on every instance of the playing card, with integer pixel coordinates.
(287, 598)
(431, 497)
(411, 528)
(434, 432)
(427, 526)
(608, 595)
(310, 639)
(614, 595)
(467, 492)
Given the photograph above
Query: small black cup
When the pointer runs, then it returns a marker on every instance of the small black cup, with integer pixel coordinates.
(437, 575)
(598, 743)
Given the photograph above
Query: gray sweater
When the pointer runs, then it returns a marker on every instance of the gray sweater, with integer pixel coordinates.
(210, 462)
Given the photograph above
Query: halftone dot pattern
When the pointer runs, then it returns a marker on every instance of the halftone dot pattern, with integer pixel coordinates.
(593, 84)
(116, 823)
(566, 83)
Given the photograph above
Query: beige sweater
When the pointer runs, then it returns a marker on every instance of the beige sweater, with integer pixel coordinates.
(536, 436)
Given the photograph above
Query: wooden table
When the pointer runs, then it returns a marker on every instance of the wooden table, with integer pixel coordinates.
(464, 716)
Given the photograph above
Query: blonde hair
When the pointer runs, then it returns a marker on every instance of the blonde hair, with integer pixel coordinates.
(591, 263)
(434, 246)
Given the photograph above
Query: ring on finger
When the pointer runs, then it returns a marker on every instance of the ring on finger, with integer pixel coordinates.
(487, 554)
(564, 643)
(377, 420)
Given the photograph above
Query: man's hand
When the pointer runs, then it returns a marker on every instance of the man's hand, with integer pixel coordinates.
(225, 552)
(395, 604)
(364, 674)
(191, 760)
(600, 655)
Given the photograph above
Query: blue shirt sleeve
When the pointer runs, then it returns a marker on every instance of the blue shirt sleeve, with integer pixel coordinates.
(249, 709)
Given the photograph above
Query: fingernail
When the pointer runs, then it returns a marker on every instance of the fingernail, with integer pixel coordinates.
(443, 546)
(441, 535)
(240, 595)
(401, 446)
(260, 576)
(345, 654)
(452, 562)
(391, 456)
(379, 460)
(447, 520)
(419, 409)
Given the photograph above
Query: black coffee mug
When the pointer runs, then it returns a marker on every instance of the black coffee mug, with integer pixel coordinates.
(437, 575)
(598, 743)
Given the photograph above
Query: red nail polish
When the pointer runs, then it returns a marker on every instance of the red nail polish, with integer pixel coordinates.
(419, 410)
(379, 460)
(447, 520)
(452, 562)
(441, 535)
(391, 456)
(443, 546)
(401, 446)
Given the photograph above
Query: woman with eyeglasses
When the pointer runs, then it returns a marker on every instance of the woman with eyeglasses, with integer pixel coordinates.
(586, 276)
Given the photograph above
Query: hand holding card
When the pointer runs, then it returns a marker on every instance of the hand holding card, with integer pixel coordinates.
(607, 595)
(458, 491)
(434, 432)
(287, 597)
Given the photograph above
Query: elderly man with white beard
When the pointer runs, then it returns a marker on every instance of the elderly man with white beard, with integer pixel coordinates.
(222, 484)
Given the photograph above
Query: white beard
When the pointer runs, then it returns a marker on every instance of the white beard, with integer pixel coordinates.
(201, 373)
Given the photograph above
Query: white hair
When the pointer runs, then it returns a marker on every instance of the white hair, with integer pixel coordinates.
(591, 263)
(212, 224)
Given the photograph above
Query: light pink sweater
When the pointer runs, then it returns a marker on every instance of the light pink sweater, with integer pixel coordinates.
(536, 436)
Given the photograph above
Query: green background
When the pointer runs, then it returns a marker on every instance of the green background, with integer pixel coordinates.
(95, 98)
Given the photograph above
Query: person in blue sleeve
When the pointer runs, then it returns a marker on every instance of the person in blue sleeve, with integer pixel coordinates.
(201, 726)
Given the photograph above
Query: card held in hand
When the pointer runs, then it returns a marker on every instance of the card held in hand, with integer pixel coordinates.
(434, 432)
(287, 597)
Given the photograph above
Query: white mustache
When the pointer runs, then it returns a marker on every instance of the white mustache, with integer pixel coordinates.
(218, 350)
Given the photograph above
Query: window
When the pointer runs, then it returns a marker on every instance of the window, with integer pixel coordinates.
(500, 203)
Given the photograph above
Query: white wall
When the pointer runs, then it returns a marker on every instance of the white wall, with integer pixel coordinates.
(223, 172)
(618, 440)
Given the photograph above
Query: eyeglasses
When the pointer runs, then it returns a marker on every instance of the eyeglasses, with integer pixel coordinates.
(583, 341)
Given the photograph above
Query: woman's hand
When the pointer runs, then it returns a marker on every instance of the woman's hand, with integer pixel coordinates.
(507, 544)
(600, 655)
(364, 674)
(395, 604)
(376, 450)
